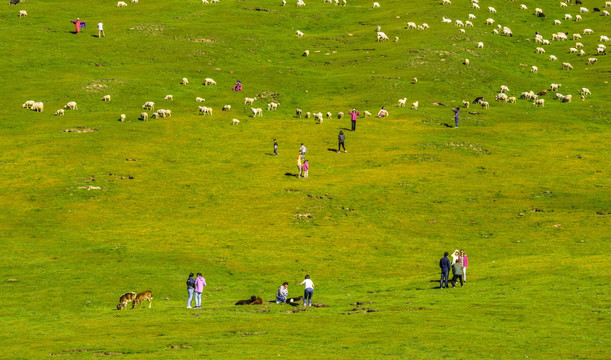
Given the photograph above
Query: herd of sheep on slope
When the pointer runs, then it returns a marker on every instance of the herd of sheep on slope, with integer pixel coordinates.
(381, 36)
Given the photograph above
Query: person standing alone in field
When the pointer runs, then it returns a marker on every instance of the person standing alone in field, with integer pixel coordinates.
(275, 147)
(190, 289)
(353, 116)
(340, 139)
(456, 113)
(200, 282)
(445, 265)
(101, 30)
(77, 25)
(309, 290)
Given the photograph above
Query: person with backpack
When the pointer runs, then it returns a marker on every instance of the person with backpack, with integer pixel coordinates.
(340, 139)
(190, 289)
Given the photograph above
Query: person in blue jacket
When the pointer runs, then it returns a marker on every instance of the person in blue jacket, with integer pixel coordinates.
(445, 265)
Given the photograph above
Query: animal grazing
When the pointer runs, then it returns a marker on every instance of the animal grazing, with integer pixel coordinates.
(204, 110)
(592, 61)
(299, 33)
(511, 100)
(169, 98)
(106, 98)
(583, 10)
(184, 81)
(491, 10)
(308, 115)
(585, 91)
(485, 105)
(577, 17)
(480, 45)
(198, 99)
(144, 116)
(122, 117)
(306, 53)
(542, 92)
(446, 2)
(366, 113)
(504, 89)
(568, 17)
(28, 104)
(603, 38)
(555, 87)
(376, 4)
(125, 299)
(567, 66)
(318, 117)
(414, 80)
(59, 112)
(478, 100)
(557, 22)
(540, 50)
(340, 115)
(501, 97)
(272, 106)
(38, 107)
(249, 101)
(149, 105)
(466, 62)
(588, 31)
(226, 108)
(465, 103)
(415, 105)
(121, 4)
(209, 82)
(329, 115)
(534, 69)
(256, 111)
(489, 21)
(254, 300)
(145, 295)
(567, 98)
(298, 113)
(539, 103)
(552, 58)
(23, 13)
(71, 105)
(382, 36)
(300, 3)
(235, 122)
(402, 102)
(443, 19)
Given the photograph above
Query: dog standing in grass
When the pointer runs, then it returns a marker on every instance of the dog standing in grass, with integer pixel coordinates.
(145, 295)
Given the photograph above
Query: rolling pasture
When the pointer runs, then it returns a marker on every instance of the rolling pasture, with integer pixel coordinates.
(115, 206)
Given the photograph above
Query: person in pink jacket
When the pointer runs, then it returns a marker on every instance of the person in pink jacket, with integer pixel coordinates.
(353, 116)
(464, 260)
(200, 282)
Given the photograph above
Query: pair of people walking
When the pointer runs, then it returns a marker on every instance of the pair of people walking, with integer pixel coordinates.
(458, 264)
(195, 287)
(283, 292)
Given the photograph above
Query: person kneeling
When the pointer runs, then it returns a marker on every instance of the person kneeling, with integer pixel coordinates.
(283, 293)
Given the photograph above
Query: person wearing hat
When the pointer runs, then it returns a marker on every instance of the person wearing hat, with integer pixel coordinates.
(353, 116)
(77, 25)
(455, 256)
(238, 86)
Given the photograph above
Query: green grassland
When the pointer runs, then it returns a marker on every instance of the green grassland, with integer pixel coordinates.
(524, 190)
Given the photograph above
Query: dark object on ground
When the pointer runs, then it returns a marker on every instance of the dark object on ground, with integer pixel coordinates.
(438, 103)
(477, 100)
(321, 305)
(254, 300)
(542, 92)
(541, 15)
(294, 301)
(596, 10)
(14, 2)
(474, 113)
(578, 2)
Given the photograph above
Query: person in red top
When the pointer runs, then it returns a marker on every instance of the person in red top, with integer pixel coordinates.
(354, 115)
(77, 25)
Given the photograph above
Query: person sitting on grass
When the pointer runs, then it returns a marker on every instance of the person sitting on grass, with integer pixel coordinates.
(283, 293)
(382, 113)
(238, 86)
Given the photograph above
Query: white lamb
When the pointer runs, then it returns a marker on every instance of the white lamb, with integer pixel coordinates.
(382, 36)
(28, 104)
(144, 116)
(601, 50)
(468, 23)
(446, 2)
(485, 105)
(443, 19)
(249, 101)
(329, 115)
(149, 105)
(121, 4)
(340, 115)
(576, 37)
(501, 97)
(585, 91)
(572, 50)
(583, 10)
(425, 25)
(475, 6)
(545, 42)
(568, 98)
(256, 111)
(466, 62)
(122, 117)
(523, 7)
(106, 98)
(318, 118)
(411, 25)
(489, 21)
(465, 103)
(540, 50)
(588, 31)
(306, 53)
(534, 69)
(415, 105)
(71, 105)
(563, 4)
(480, 45)
(272, 106)
(184, 81)
(38, 107)
(59, 112)
(504, 89)
(552, 58)
(462, 31)
(366, 113)
(567, 66)
(603, 38)
(491, 10)
(539, 103)
(235, 122)
(134, 1)
(555, 87)
(511, 100)
(23, 13)
(581, 52)
(607, 4)
(376, 5)
(300, 3)
(568, 17)
(538, 11)
(299, 33)
(592, 61)
(402, 102)
(605, 13)
(577, 17)
(198, 99)
(578, 45)
(169, 98)
(227, 108)
(557, 22)
(471, 17)
(459, 23)
(204, 110)
(209, 82)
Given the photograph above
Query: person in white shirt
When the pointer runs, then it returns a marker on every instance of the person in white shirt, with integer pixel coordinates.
(309, 290)
(283, 293)
(455, 256)
(101, 30)
(303, 151)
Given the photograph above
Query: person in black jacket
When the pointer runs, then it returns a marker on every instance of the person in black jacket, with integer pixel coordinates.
(341, 138)
(445, 265)
(190, 289)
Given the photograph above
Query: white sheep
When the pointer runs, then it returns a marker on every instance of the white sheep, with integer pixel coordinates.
(443, 19)
(555, 87)
(462, 31)
(480, 45)
(28, 104)
(576, 37)
(581, 52)
(329, 115)
(545, 42)
(567, 66)
(402, 102)
(256, 111)
(235, 122)
(306, 53)
(415, 105)
(539, 103)
(134, 1)
(485, 105)
(272, 106)
(601, 50)
(340, 115)
(567, 98)
(489, 21)
(465, 103)
(382, 36)
(376, 4)
(209, 82)
(491, 10)
(169, 98)
(199, 99)
(411, 25)
(578, 45)
(572, 50)
(184, 81)
(203, 2)
(603, 38)
(559, 96)
(299, 33)
(557, 22)
(468, 23)
(298, 112)
(59, 112)
(607, 4)
(475, 6)
(71, 105)
(605, 13)
(511, 100)
(144, 116)
(563, 4)
(592, 61)
(121, 4)
(308, 115)
(552, 58)
(106, 98)
(23, 13)
(424, 26)
(300, 3)
(149, 105)
(577, 17)
(459, 23)
(501, 97)
(534, 69)
(38, 107)
(204, 110)
(504, 89)
(585, 91)
(583, 10)
(446, 2)
(396, 39)
(227, 108)
(540, 50)
(538, 11)
(343, 2)
(168, 113)
(249, 101)
(122, 117)
(366, 113)
(471, 17)
(214, 1)
(523, 7)
(568, 17)
(466, 62)
(318, 117)
(588, 31)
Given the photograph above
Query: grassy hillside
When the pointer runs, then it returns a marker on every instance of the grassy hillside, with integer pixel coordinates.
(524, 190)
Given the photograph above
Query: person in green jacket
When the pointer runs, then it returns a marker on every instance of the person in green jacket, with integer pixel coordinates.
(457, 271)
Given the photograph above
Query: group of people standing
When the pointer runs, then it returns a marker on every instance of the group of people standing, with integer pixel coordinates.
(458, 264)
(195, 287)
(283, 291)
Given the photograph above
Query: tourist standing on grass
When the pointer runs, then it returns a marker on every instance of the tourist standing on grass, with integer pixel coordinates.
(303, 151)
(200, 282)
(445, 265)
(306, 168)
(190, 289)
(457, 271)
(275, 147)
(309, 290)
(382, 113)
(77, 25)
(299, 163)
(456, 113)
(353, 116)
(283, 293)
(101, 30)
(455, 256)
(464, 260)
(340, 139)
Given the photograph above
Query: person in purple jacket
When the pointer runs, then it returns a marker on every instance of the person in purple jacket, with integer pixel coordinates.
(200, 282)
(354, 114)
(445, 265)
(456, 113)
(464, 260)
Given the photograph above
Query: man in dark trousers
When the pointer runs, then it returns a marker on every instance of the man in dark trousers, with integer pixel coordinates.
(457, 271)
(445, 265)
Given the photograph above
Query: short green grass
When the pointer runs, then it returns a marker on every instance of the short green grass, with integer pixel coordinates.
(525, 191)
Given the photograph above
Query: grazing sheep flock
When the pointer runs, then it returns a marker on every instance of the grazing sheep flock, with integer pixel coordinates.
(464, 26)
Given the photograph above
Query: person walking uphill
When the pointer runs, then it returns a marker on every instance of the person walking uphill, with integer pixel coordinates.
(456, 113)
(200, 282)
(353, 116)
(445, 265)
(340, 141)
(309, 290)
(190, 289)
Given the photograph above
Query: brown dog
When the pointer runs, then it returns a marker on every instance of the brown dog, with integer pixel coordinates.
(145, 295)
(124, 299)
(254, 300)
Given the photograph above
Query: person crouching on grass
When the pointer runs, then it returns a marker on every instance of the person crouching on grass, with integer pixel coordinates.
(283, 293)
